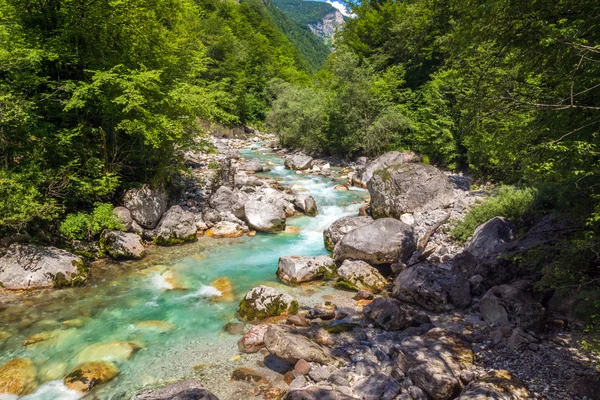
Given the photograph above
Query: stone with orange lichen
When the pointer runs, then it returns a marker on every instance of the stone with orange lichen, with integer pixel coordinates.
(224, 286)
(18, 377)
(85, 377)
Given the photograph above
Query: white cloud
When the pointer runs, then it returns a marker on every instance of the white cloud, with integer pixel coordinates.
(341, 8)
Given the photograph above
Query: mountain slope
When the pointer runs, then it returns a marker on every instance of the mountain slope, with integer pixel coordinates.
(322, 18)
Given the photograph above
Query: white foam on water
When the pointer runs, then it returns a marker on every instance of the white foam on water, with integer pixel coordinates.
(54, 390)
(159, 282)
(6, 396)
(204, 291)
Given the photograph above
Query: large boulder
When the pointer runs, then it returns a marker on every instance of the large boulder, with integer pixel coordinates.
(384, 241)
(432, 288)
(176, 226)
(252, 166)
(264, 216)
(491, 237)
(225, 229)
(86, 376)
(409, 188)
(363, 175)
(264, 301)
(146, 205)
(291, 347)
(496, 385)
(341, 227)
(388, 314)
(298, 162)
(124, 215)
(435, 360)
(493, 270)
(316, 393)
(306, 204)
(358, 275)
(226, 200)
(377, 387)
(254, 339)
(18, 377)
(123, 245)
(28, 266)
(297, 269)
(184, 390)
(513, 305)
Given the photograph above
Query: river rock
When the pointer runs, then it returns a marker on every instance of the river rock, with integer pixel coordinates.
(123, 245)
(363, 174)
(264, 216)
(515, 304)
(306, 204)
(316, 393)
(252, 166)
(384, 241)
(146, 205)
(112, 351)
(28, 266)
(377, 387)
(124, 215)
(496, 385)
(432, 288)
(226, 200)
(409, 188)
(176, 226)
(297, 269)
(85, 377)
(184, 390)
(435, 360)
(491, 237)
(358, 275)
(18, 377)
(254, 339)
(298, 162)
(388, 314)
(341, 227)
(264, 301)
(225, 229)
(291, 347)
(224, 286)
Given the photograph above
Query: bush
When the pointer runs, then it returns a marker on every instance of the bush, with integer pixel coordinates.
(510, 202)
(82, 226)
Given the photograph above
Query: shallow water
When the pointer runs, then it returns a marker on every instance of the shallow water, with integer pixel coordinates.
(122, 295)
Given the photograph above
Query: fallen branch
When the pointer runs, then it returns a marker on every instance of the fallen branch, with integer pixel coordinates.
(417, 256)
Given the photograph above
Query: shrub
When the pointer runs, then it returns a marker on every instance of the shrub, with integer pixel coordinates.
(213, 165)
(510, 202)
(82, 226)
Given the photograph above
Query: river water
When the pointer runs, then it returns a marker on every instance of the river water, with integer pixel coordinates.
(122, 297)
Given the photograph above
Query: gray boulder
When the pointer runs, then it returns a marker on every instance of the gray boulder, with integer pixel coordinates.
(264, 301)
(298, 162)
(496, 385)
(513, 305)
(341, 227)
(27, 266)
(377, 387)
(124, 215)
(264, 216)
(316, 393)
(297, 269)
(491, 237)
(432, 288)
(358, 275)
(388, 314)
(409, 188)
(123, 245)
(363, 174)
(291, 347)
(226, 200)
(146, 205)
(384, 241)
(253, 166)
(176, 226)
(306, 204)
(185, 390)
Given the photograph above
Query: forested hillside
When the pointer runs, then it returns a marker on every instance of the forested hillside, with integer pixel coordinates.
(305, 12)
(96, 95)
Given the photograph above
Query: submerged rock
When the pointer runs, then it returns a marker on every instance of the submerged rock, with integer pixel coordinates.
(28, 266)
(224, 286)
(123, 245)
(341, 227)
(264, 301)
(85, 377)
(18, 377)
(358, 275)
(225, 229)
(292, 347)
(297, 269)
(384, 241)
(409, 188)
(297, 162)
(184, 390)
(264, 216)
(155, 325)
(112, 351)
(146, 205)
(176, 226)
(491, 237)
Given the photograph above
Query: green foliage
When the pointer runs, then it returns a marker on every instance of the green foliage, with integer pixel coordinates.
(82, 226)
(510, 202)
(305, 12)
(213, 165)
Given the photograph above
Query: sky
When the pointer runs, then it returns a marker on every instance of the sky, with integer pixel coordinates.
(339, 5)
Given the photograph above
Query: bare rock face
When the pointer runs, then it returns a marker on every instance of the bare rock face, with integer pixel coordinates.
(409, 188)
(432, 288)
(176, 226)
(146, 205)
(384, 241)
(341, 227)
(491, 237)
(364, 174)
(297, 269)
(123, 245)
(358, 275)
(27, 266)
(264, 301)
(292, 347)
(264, 216)
(184, 390)
(298, 162)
